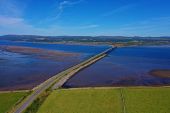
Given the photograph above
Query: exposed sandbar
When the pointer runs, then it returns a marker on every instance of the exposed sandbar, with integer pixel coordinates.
(41, 53)
(163, 73)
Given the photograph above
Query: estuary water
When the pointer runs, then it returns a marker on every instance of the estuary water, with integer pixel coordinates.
(21, 70)
(126, 66)
(84, 49)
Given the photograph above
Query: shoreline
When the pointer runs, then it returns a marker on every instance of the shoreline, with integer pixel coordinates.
(14, 91)
(132, 87)
(95, 87)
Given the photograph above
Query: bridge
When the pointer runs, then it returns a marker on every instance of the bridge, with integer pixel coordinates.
(58, 80)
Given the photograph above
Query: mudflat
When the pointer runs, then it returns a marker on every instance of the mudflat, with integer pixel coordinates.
(163, 73)
(40, 53)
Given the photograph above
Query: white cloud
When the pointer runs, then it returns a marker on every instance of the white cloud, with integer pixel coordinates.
(10, 8)
(119, 10)
(10, 21)
(88, 26)
(64, 4)
(58, 11)
(15, 25)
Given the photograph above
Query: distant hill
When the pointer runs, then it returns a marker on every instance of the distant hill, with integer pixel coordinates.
(36, 38)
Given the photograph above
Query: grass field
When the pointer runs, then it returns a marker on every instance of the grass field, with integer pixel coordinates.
(110, 100)
(8, 100)
(149, 100)
(82, 101)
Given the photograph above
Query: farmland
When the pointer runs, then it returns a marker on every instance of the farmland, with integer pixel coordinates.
(108, 100)
(9, 99)
(147, 100)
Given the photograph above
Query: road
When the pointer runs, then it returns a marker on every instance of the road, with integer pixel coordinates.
(59, 79)
(74, 71)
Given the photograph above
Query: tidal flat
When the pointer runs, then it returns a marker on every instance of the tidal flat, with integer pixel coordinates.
(162, 73)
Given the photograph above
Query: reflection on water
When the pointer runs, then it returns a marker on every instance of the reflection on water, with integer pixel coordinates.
(126, 66)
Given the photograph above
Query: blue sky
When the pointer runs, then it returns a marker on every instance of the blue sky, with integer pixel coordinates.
(85, 17)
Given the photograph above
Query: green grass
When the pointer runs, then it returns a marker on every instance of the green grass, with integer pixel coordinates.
(8, 100)
(135, 100)
(149, 100)
(82, 101)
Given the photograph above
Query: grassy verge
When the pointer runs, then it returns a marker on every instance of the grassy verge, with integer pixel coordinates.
(109, 100)
(10, 99)
(33, 108)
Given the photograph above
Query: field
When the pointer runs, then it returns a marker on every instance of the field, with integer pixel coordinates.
(82, 101)
(9, 99)
(148, 100)
(109, 100)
